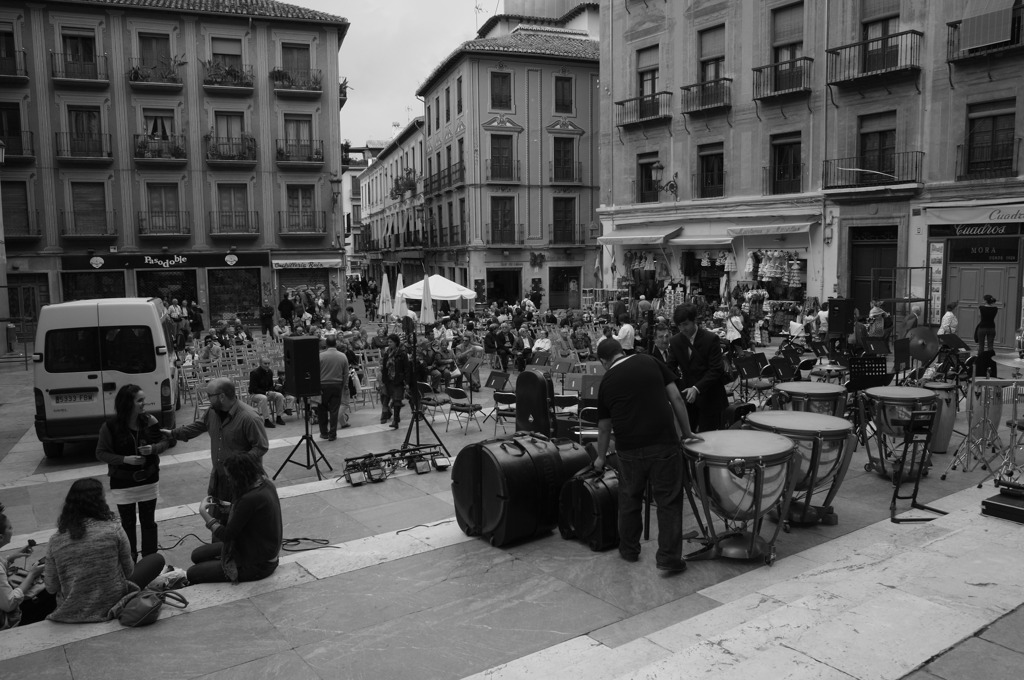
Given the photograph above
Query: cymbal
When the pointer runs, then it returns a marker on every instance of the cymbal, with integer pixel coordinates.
(924, 343)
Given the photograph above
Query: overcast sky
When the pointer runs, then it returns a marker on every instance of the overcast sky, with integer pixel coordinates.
(391, 47)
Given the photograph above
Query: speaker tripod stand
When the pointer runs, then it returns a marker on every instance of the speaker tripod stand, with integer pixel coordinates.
(313, 453)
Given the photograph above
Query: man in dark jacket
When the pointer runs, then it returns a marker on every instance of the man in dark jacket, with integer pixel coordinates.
(696, 355)
(394, 370)
(286, 307)
(267, 318)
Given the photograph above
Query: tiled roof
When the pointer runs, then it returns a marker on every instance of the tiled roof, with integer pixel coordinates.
(525, 18)
(525, 40)
(247, 8)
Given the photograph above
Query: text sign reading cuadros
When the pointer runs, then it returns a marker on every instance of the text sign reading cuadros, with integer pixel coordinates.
(974, 230)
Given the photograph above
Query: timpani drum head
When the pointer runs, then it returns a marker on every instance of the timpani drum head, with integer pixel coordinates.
(805, 429)
(899, 394)
(727, 445)
(891, 407)
(939, 386)
(810, 388)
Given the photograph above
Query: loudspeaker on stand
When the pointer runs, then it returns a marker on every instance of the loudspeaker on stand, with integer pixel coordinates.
(302, 366)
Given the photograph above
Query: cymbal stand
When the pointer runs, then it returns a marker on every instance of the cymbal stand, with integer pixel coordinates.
(981, 435)
(1010, 474)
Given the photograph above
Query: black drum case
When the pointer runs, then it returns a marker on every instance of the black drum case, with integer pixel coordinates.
(589, 508)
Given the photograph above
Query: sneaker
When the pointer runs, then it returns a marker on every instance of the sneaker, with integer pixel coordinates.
(267, 422)
(280, 420)
(675, 566)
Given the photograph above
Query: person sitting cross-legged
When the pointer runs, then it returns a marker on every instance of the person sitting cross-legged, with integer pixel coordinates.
(262, 393)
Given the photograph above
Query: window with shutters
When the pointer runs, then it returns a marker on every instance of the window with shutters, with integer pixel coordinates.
(991, 144)
(230, 140)
(786, 164)
(298, 137)
(711, 177)
(501, 162)
(462, 221)
(227, 52)
(84, 131)
(501, 91)
(295, 59)
(233, 204)
(564, 160)
(788, 46)
(79, 57)
(88, 209)
(646, 187)
(428, 120)
(158, 124)
(458, 95)
(447, 104)
(712, 53)
(879, 20)
(164, 215)
(503, 217)
(10, 128)
(301, 216)
(563, 94)
(437, 113)
(17, 220)
(154, 49)
(10, 62)
(877, 146)
(647, 70)
(563, 219)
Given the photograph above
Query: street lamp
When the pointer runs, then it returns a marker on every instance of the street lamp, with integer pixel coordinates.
(335, 190)
(658, 173)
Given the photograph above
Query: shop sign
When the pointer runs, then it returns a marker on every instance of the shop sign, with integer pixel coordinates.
(983, 250)
(110, 261)
(969, 230)
(307, 264)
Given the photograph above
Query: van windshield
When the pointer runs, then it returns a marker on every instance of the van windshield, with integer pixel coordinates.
(127, 349)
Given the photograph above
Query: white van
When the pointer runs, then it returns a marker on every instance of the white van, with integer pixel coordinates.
(85, 351)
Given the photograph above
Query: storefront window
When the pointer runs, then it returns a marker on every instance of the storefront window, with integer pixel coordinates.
(174, 284)
(235, 293)
(92, 285)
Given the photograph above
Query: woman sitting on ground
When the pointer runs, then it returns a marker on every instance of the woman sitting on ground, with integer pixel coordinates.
(89, 560)
(246, 547)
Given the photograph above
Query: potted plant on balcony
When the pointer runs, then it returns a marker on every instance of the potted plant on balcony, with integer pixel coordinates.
(142, 148)
(282, 154)
(318, 155)
(167, 71)
(282, 78)
(139, 73)
(315, 81)
(343, 91)
(178, 151)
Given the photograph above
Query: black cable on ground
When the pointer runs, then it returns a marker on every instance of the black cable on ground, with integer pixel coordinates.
(318, 543)
(426, 526)
(160, 547)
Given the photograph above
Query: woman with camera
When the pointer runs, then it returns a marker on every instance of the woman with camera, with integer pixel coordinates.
(130, 444)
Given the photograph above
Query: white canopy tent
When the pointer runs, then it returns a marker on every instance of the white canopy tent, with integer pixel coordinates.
(440, 288)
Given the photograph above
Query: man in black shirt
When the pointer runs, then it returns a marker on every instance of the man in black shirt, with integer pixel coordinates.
(647, 445)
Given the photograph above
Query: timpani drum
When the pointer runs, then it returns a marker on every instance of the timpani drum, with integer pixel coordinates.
(889, 410)
(945, 416)
(813, 397)
(739, 475)
(824, 445)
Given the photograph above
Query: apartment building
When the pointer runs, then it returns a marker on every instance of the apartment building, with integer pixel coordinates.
(866, 148)
(170, 148)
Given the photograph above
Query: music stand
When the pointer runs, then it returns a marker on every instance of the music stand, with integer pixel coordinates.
(472, 364)
(312, 459)
(497, 380)
(562, 366)
(575, 381)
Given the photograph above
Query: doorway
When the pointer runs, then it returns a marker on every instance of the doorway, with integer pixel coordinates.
(26, 294)
(504, 285)
(564, 287)
(871, 248)
(968, 283)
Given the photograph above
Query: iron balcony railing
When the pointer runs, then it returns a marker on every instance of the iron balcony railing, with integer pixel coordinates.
(171, 147)
(22, 225)
(502, 170)
(297, 79)
(300, 150)
(708, 184)
(569, 173)
(234, 222)
(987, 161)
(956, 52)
(83, 145)
(782, 178)
(645, 192)
(456, 174)
(19, 144)
(231, 149)
(88, 223)
(456, 235)
(164, 223)
(217, 74)
(301, 222)
(785, 77)
(13, 64)
(873, 170)
(707, 96)
(899, 52)
(567, 234)
(144, 71)
(74, 67)
(649, 107)
(504, 233)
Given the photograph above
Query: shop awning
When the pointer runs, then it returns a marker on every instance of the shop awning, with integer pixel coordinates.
(696, 241)
(333, 263)
(771, 229)
(985, 22)
(643, 236)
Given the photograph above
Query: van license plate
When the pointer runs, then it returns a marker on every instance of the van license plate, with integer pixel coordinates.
(73, 398)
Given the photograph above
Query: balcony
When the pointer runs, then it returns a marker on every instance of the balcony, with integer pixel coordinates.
(228, 80)
(22, 226)
(456, 235)
(235, 223)
(645, 192)
(301, 223)
(707, 97)
(650, 108)
(955, 52)
(20, 148)
(86, 224)
(784, 178)
(231, 152)
(72, 71)
(565, 173)
(707, 184)
(297, 83)
(84, 148)
(502, 170)
(164, 224)
(873, 170)
(161, 77)
(886, 59)
(12, 68)
(568, 234)
(160, 152)
(432, 184)
(790, 78)
(300, 154)
(987, 161)
(504, 234)
(456, 175)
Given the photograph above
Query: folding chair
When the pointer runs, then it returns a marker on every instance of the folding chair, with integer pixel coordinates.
(504, 409)
(429, 399)
(461, 405)
(754, 379)
(586, 431)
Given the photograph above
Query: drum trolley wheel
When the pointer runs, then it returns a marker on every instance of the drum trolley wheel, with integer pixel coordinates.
(917, 435)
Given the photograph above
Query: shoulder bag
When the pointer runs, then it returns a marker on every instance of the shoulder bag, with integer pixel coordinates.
(143, 607)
